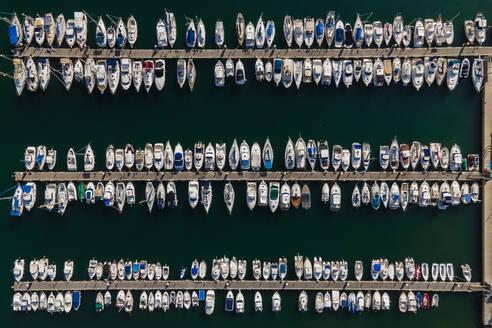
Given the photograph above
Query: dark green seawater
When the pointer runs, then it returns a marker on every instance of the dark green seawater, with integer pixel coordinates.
(61, 120)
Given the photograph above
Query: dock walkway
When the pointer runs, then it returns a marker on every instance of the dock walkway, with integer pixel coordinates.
(50, 176)
(471, 51)
(96, 285)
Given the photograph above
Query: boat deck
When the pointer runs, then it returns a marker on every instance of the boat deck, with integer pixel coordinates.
(430, 286)
(253, 53)
(49, 176)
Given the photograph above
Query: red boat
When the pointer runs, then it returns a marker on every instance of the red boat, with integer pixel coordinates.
(425, 301)
(417, 272)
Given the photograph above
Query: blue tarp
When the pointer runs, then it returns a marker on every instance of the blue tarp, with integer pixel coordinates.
(319, 29)
(268, 165)
(13, 35)
(190, 37)
(377, 267)
(26, 188)
(201, 295)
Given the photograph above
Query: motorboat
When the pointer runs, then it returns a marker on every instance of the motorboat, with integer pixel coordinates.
(161, 34)
(480, 28)
(270, 33)
(234, 155)
(251, 195)
(430, 30)
(288, 30)
(273, 196)
(239, 75)
(330, 27)
(477, 73)
(219, 74)
(245, 156)
(171, 196)
(191, 73)
(419, 34)
(319, 31)
(219, 33)
(452, 73)
(339, 34)
(300, 153)
(335, 198)
(417, 73)
(171, 28)
(308, 31)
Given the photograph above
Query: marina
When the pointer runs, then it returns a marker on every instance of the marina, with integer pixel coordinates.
(431, 116)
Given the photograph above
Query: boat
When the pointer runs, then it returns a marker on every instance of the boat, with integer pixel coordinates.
(388, 33)
(206, 195)
(239, 76)
(378, 33)
(430, 30)
(300, 153)
(464, 68)
(290, 155)
(288, 30)
(339, 34)
(159, 74)
(171, 197)
(273, 196)
(480, 28)
(378, 72)
(262, 194)
(477, 73)
(417, 73)
(161, 34)
(358, 32)
(305, 197)
(239, 302)
(209, 302)
(201, 34)
(319, 31)
(403, 302)
(307, 75)
(191, 73)
(349, 38)
(419, 34)
(260, 33)
(317, 70)
(367, 71)
(229, 302)
(219, 74)
(219, 33)
(335, 198)
(270, 33)
(348, 72)
(248, 34)
(308, 31)
(298, 32)
(259, 70)
(325, 193)
(452, 73)
(466, 270)
(450, 271)
(285, 197)
(405, 155)
(251, 195)
(171, 28)
(303, 301)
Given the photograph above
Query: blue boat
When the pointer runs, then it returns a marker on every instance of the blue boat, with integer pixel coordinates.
(229, 303)
(178, 158)
(419, 300)
(319, 31)
(194, 269)
(351, 303)
(76, 300)
(135, 268)
(376, 201)
(128, 270)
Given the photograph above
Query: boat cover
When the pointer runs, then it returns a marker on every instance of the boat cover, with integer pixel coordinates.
(201, 295)
(13, 35)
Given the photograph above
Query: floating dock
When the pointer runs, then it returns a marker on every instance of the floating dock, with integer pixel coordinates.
(97, 285)
(271, 53)
(49, 176)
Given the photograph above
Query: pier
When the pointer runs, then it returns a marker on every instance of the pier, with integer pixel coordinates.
(487, 194)
(271, 53)
(274, 285)
(49, 176)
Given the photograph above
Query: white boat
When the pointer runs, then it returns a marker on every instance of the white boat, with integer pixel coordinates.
(477, 73)
(262, 194)
(255, 157)
(259, 70)
(219, 74)
(132, 29)
(288, 30)
(335, 198)
(430, 31)
(171, 28)
(159, 74)
(249, 35)
(229, 68)
(219, 33)
(244, 154)
(285, 197)
(206, 195)
(309, 31)
(348, 72)
(191, 73)
(239, 75)
(417, 73)
(234, 156)
(419, 34)
(200, 34)
(161, 34)
(168, 157)
(251, 195)
(260, 33)
(300, 154)
(298, 32)
(452, 73)
(480, 28)
(101, 33)
(137, 74)
(148, 73)
(121, 33)
(273, 196)
(193, 193)
(378, 73)
(339, 34)
(229, 196)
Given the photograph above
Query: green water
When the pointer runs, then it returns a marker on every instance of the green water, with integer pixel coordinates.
(61, 120)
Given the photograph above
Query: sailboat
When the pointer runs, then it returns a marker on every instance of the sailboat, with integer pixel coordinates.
(171, 28)
(229, 196)
(260, 33)
(132, 30)
(190, 34)
(288, 31)
(240, 28)
(161, 34)
(206, 195)
(160, 74)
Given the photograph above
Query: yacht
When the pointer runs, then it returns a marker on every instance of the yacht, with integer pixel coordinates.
(477, 73)
(248, 34)
(300, 153)
(289, 158)
(378, 73)
(190, 33)
(219, 33)
(206, 195)
(365, 194)
(319, 31)
(201, 34)
(309, 31)
(298, 73)
(148, 74)
(244, 153)
(270, 33)
(305, 197)
(480, 28)
(285, 197)
(335, 198)
(296, 196)
(388, 33)
(171, 197)
(193, 196)
(442, 67)
(262, 194)
(219, 74)
(348, 72)
(356, 197)
(419, 34)
(255, 157)
(378, 33)
(239, 75)
(267, 155)
(339, 34)
(159, 74)
(171, 28)
(273, 196)
(384, 156)
(452, 73)
(161, 33)
(375, 196)
(325, 193)
(298, 32)
(251, 195)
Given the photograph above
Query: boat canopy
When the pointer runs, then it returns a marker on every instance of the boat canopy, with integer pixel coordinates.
(26, 188)
(13, 34)
(201, 295)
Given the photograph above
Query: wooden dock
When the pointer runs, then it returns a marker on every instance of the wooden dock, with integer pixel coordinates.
(471, 51)
(49, 176)
(97, 285)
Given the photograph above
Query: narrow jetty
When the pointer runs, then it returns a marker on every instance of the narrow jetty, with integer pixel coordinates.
(430, 286)
(487, 194)
(271, 53)
(50, 176)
